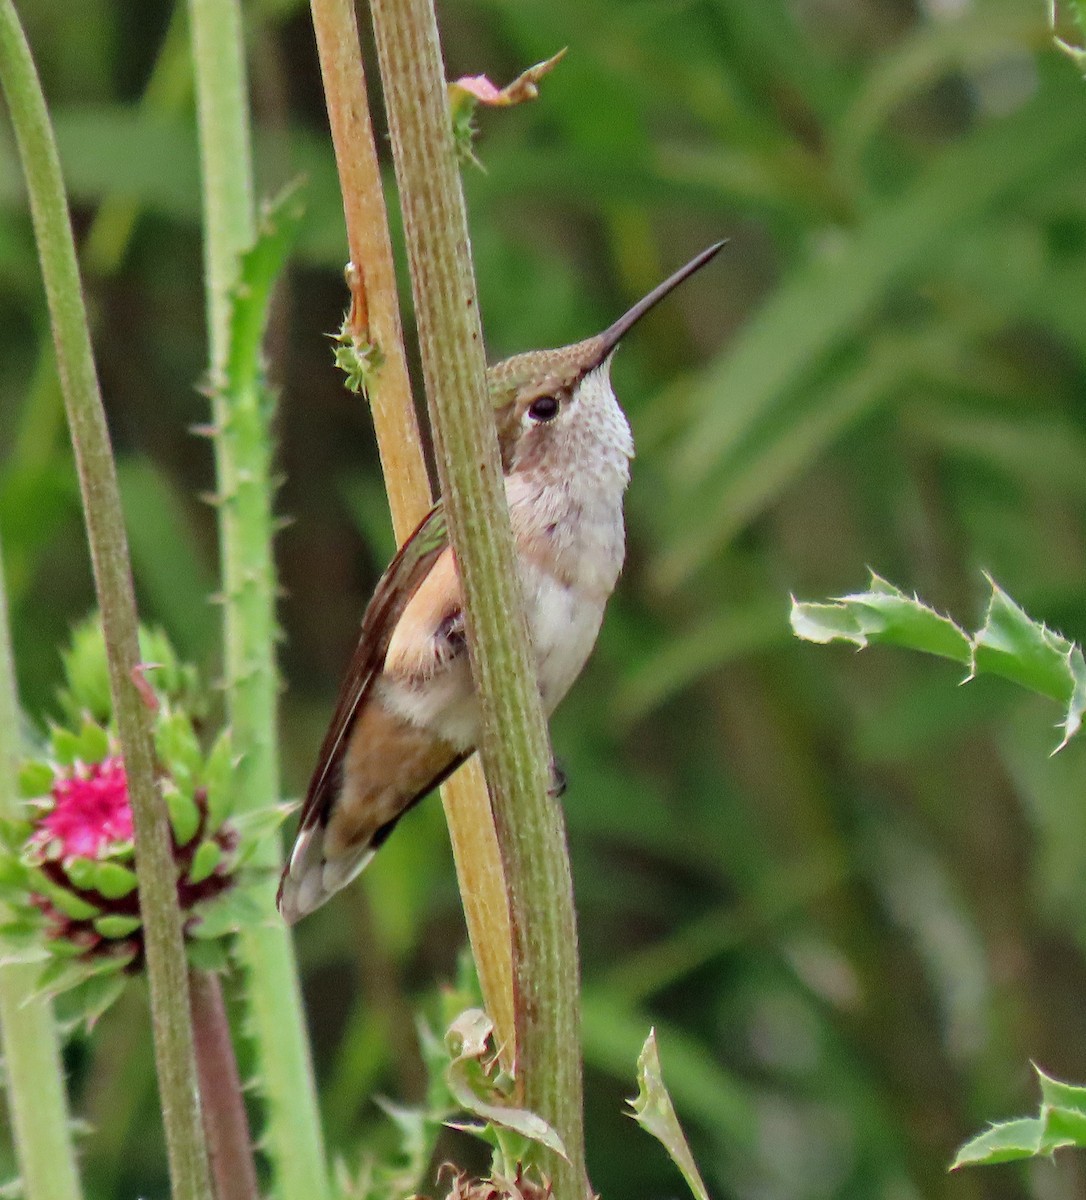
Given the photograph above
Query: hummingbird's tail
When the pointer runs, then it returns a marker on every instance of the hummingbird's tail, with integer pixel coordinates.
(310, 878)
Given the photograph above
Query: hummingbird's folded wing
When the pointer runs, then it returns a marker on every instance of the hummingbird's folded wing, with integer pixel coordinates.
(398, 585)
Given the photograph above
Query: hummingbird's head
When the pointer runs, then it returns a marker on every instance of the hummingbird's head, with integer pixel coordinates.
(549, 403)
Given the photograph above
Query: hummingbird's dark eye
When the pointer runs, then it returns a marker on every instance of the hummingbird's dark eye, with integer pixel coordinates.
(545, 408)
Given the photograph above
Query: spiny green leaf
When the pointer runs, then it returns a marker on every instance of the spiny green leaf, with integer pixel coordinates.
(883, 614)
(1027, 652)
(1004, 1142)
(1010, 643)
(1064, 1126)
(1061, 1122)
(654, 1112)
(1061, 1095)
(469, 1041)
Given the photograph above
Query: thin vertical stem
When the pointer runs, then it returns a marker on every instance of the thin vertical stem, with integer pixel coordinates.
(165, 952)
(514, 736)
(225, 157)
(243, 454)
(228, 1141)
(375, 317)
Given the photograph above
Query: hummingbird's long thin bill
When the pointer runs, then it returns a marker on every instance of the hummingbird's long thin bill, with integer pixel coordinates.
(611, 337)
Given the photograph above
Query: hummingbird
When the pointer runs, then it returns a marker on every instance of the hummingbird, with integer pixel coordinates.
(407, 715)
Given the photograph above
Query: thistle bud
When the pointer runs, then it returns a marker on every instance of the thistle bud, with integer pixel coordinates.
(69, 873)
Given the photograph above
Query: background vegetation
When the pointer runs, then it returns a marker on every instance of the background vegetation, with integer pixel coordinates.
(847, 892)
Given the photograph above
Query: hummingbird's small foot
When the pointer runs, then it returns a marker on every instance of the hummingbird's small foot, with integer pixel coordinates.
(559, 782)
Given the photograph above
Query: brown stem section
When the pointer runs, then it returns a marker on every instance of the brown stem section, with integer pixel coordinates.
(375, 316)
(514, 736)
(375, 312)
(226, 1124)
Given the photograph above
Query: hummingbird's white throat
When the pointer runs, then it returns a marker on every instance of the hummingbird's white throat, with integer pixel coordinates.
(588, 444)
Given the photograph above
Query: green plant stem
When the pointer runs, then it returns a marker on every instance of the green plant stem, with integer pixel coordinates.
(246, 528)
(514, 741)
(37, 1098)
(228, 1141)
(226, 158)
(375, 317)
(113, 580)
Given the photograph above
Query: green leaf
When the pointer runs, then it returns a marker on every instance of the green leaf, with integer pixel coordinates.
(87, 673)
(81, 872)
(115, 926)
(1064, 1126)
(176, 744)
(207, 857)
(70, 904)
(114, 881)
(65, 745)
(1004, 1142)
(654, 1112)
(94, 995)
(93, 743)
(184, 814)
(1025, 651)
(1062, 1122)
(1061, 1095)
(883, 615)
(469, 1040)
(219, 780)
(235, 910)
(255, 827)
(1009, 644)
(35, 779)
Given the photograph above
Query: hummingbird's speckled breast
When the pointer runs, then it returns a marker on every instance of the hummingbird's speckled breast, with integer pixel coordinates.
(565, 505)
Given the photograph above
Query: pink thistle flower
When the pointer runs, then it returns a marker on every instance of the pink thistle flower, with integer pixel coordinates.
(90, 813)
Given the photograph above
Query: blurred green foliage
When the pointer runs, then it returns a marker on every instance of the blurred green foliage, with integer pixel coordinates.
(847, 893)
